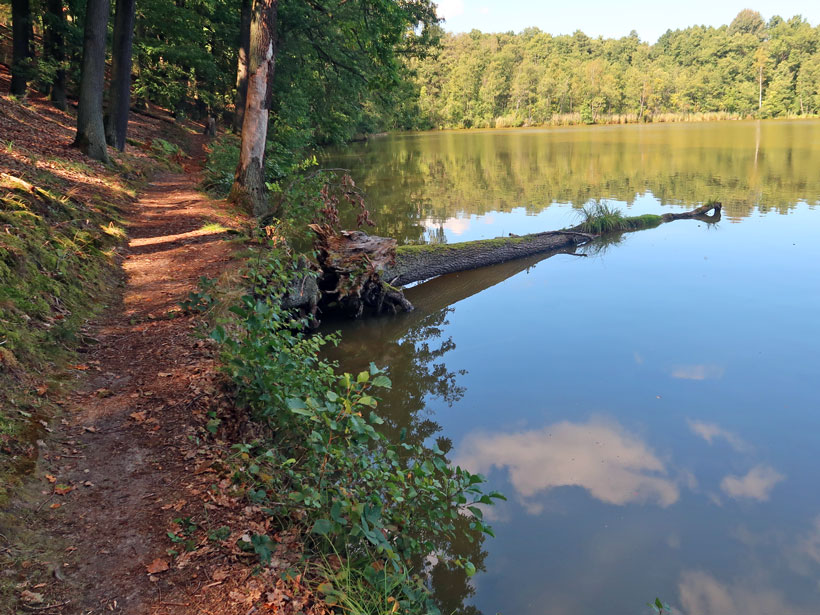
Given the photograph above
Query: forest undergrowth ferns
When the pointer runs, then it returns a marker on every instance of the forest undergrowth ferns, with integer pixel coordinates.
(381, 505)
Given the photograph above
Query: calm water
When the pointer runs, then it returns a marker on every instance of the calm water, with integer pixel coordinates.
(652, 411)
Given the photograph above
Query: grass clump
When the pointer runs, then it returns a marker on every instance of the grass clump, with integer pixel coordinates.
(599, 218)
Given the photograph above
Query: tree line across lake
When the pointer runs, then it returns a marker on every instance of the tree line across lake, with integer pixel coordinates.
(747, 68)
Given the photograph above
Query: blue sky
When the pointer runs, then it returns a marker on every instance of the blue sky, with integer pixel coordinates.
(609, 18)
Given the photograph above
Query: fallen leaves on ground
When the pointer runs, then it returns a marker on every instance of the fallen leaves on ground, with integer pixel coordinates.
(157, 566)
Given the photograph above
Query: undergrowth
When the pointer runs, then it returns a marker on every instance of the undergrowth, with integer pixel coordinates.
(380, 506)
(56, 262)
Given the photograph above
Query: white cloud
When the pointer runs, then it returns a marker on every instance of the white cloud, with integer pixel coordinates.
(614, 466)
(756, 484)
(449, 8)
(712, 431)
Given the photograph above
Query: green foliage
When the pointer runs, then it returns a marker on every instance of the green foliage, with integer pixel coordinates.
(169, 153)
(660, 608)
(184, 53)
(360, 493)
(201, 299)
(220, 165)
(532, 78)
(300, 192)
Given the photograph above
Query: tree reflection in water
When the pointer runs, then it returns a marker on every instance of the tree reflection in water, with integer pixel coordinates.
(414, 358)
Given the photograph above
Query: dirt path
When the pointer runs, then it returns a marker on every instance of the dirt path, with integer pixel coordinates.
(125, 450)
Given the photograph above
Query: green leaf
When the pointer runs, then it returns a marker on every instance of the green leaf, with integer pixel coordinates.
(382, 381)
(322, 527)
(263, 546)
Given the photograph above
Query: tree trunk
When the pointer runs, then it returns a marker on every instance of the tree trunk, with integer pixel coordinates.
(360, 270)
(90, 130)
(21, 47)
(119, 93)
(242, 66)
(248, 188)
(54, 47)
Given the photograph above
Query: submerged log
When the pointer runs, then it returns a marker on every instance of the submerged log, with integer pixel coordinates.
(361, 270)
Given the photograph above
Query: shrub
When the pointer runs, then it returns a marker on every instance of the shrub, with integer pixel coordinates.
(381, 504)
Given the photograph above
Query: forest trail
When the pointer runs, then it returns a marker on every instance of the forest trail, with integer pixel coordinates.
(127, 447)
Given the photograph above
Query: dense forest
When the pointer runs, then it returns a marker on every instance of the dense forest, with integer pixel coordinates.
(338, 65)
(748, 68)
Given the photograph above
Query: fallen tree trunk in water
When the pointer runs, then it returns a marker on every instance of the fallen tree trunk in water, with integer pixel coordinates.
(361, 270)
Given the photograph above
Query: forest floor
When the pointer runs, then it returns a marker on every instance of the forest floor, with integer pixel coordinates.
(130, 508)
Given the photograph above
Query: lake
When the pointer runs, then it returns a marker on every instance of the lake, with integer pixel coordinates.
(651, 410)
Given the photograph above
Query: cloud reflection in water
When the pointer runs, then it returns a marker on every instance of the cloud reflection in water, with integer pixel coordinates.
(702, 594)
(611, 464)
(712, 431)
(756, 484)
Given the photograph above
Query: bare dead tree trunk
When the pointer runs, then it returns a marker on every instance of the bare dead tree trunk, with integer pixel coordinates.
(21, 46)
(249, 182)
(119, 93)
(90, 130)
(242, 66)
(54, 47)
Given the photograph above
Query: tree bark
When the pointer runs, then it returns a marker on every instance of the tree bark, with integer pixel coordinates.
(119, 93)
(21, 46)
(54, 47)
(248, 188)
(90, 130)
(242, 66)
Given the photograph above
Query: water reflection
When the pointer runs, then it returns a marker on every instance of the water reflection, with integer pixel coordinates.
(612, 465)
(712, 432)
(442, 178)
(702, 594)
(756, 484)
(698, 372)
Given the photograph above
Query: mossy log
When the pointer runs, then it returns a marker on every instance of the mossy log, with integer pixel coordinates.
(361, 270)
(414, 263)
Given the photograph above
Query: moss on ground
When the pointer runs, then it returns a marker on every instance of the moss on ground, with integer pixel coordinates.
(57, 267)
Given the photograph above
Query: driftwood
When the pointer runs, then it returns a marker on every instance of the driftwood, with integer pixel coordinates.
(352, 264)
(361, 271)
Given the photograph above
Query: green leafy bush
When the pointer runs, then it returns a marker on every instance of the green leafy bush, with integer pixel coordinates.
(383, 505)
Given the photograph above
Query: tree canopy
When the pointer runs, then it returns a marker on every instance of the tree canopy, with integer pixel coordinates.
(532, 77)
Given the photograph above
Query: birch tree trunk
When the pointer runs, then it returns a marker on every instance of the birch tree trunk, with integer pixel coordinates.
(90, 130)
(248, 188)
(119, 93)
